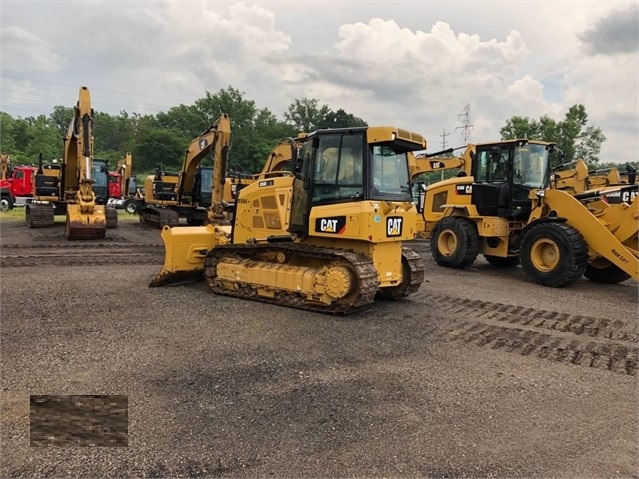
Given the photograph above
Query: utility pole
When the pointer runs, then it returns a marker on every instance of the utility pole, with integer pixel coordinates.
(465, 126)
(443, 135)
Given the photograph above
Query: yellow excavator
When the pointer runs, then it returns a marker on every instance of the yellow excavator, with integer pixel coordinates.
(67, 188)
(580, 179)
(327, 237)
(171, 196)
(512, 215)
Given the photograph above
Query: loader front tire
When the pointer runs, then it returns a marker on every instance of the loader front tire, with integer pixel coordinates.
(455, 242)
(608, 274)
(553, 254)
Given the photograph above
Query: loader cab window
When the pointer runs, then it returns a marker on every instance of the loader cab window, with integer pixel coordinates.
(530, 166)
(492, 165)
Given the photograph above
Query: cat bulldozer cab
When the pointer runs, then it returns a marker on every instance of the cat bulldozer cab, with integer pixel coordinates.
(68, 188)
(328, 236)
(508, 211)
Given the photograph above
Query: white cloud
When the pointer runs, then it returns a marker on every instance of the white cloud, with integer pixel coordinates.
(24, 51)
(414, 64)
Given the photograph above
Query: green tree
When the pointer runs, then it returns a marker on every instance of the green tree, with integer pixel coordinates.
(43, 138)
(61, 117)
(7, 128)
(574, 137)
(112, 136)
(188, 119)
(306, 115)
(255, 131)
(341, 119)
(155, 145)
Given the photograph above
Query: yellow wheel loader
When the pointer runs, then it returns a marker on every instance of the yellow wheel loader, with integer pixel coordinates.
(516, 217)
(328, 236)
(68, 188)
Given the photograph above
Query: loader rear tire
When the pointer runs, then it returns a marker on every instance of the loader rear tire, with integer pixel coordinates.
(609, 274)
(501, 262)
(455, 242)
(553, 254)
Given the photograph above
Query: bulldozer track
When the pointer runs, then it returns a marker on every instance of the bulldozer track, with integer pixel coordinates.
(566, 338)
(363, 267)
(79, 254)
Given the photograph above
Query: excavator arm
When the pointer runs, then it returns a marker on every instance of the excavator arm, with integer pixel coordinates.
(428, 163)
(221, 148)
(197, 150)
(125, 167)
(85, 219)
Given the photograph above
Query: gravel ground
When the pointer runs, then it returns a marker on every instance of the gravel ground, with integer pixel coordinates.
(219, 387)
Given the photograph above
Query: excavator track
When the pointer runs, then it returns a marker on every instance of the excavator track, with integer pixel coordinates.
(39, 216)
(159, 217)
(295, 254)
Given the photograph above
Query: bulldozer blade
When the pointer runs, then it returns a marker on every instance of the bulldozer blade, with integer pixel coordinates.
(85, 226)
(185, 248)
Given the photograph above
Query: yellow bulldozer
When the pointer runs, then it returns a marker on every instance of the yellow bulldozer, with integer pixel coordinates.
(328, 236)
(508, 211)
(67, 188)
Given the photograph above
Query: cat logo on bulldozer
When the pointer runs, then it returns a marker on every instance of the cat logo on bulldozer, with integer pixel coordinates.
(394, 226)
(335, 224)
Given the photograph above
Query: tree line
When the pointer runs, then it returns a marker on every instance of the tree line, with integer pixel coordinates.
(163, 137)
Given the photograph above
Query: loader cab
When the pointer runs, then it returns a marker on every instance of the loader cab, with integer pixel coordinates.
(505, 173)
(340, 166)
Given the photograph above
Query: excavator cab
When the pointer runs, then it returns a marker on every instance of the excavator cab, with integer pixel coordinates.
(505, 174)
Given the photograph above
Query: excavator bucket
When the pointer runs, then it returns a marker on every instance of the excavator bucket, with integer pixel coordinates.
(185, 248)
(83, 226)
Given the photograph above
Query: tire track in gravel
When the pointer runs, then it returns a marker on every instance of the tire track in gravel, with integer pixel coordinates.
(80, 254)
(564, 338)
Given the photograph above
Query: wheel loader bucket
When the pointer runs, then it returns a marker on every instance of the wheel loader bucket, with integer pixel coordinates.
(185, 248)
(84, 226)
